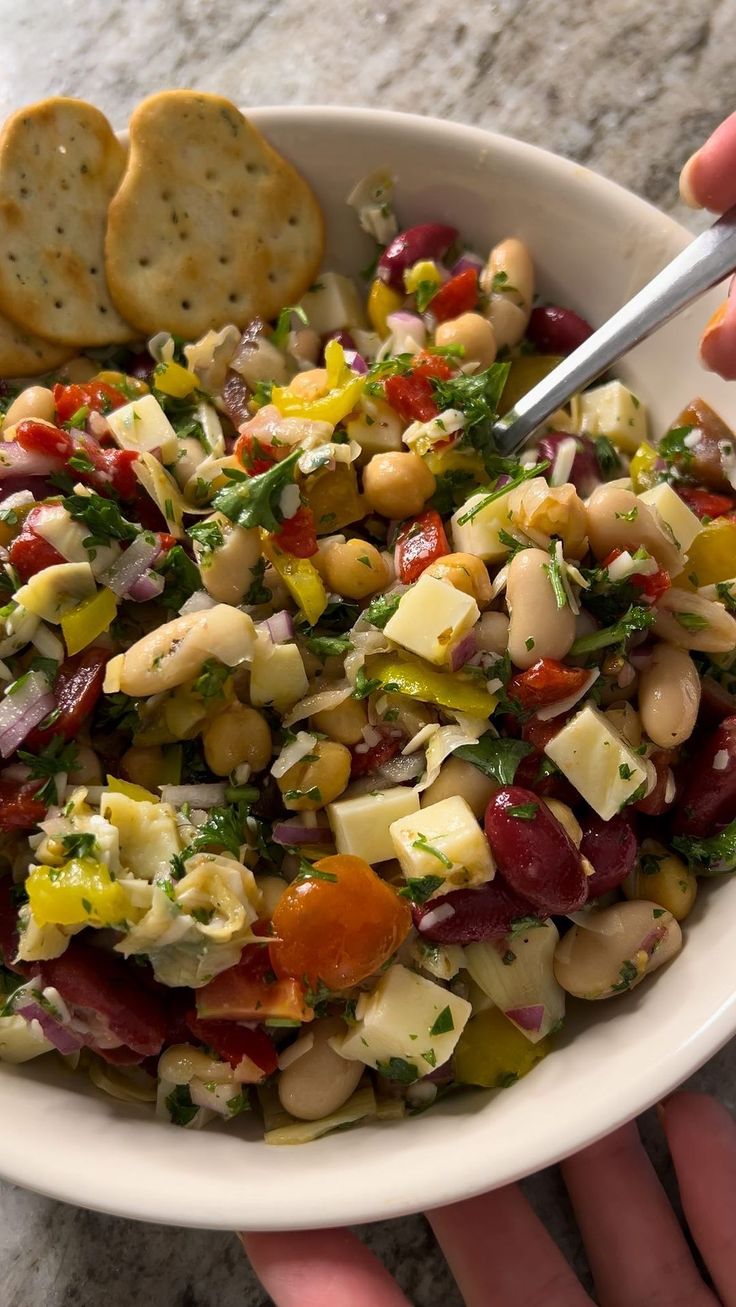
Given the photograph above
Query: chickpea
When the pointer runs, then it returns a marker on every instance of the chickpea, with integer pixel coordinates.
(640, 937)
(311, 384)
(238, 734)
(227, 571)
(710, 629)
(474, 333)
(80, 369)
(492, 632)
(661, 877)
(669, 696)
(320, 1081)
(144, 765)
(465, 572)
(458, 777)
(188, 459)
(327, 775)
(343, 723)
(618, 519)
(553, 511)
(397, 485)
(271, 887)
(355, 569)
(33, 402)
(537, 628)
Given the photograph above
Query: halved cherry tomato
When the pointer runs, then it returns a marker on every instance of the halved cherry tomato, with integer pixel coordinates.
(297, 534)
(249, 991)
(97, 981)
(19, 807)
(432, 365)
(339, 925)
(234, 1043)
(77, 687)
(458, 295)
(371, 759)
(98, 396)
(255, 456)
(545, 682)
(411, 397)
(704, 503)
(30, 554)
(420, 542)
(44, 439)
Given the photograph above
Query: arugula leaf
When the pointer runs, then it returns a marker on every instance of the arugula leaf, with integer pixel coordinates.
(381, 609)
(397, 1068)
(497, 759)
(181, 1108)
(477, 395)
(181, 576)
(636, 619)
(255, 500)
(712, 856)
(102, 517)
(421, 888)
(327, 646)
(58, 756)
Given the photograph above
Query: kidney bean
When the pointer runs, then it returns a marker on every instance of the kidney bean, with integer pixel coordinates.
(585, 474)
(611, 848)
(555, 330)
(533, 852)
(709, 797)
(477, 914)
(430, 240)
(716, 702)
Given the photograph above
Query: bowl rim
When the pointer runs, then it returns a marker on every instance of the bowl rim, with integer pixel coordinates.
(464, 1172)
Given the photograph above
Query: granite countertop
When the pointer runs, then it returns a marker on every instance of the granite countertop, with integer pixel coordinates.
(630, 93)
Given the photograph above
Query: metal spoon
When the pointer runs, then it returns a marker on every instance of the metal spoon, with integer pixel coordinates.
(700, 266)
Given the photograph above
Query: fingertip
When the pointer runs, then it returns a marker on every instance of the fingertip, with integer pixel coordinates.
(687, 189)
(718, 342)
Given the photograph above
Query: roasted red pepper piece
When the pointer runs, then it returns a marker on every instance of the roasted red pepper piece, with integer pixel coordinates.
(420, 541)
(652, 586)
(249, 991)
(19, 808)
(297, 535)
(95, 980)
(432, 365)
(374, 757)
(233, 1042)
(98, 396)
(77, 687)
(44, 439)
(30, 554)
(704, 503)
(412, 398)
(255, 456)
(546, 682)
(458, 295)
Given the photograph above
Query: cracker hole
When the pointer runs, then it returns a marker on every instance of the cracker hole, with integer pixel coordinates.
(93, 272)
(12, 258)
(58, 304)
(210, 175)
(166, 196)
(143, 263)
(102, 308)
(60, 231)
(251, 168)
(223, 259)
(185, 304)
(24, 191)
(293, 222)
(233, 297)
(235, 213)
(183, 235)
(272, 277)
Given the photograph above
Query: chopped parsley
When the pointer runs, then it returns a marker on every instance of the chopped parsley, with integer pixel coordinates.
(496, 758)
(523, 474)
(520, 926)
(523, 811)
(443, 1024)
(225, 828)
(102, 517)
(672, 446)
(181, 577)
(307, 871)
(711, 856)
(636, 619)
(211, 680)
(280, 334)
(365, 685)
(627, 975)
(631, 516)
(691, 621)
(422, 844)
(180, 1106)
(625, 772)
(257, 592)
(57, 757)
(477, 395)
(208, 536)
(553, 570)
(421, 888)
(607, 458)
(79, 844)
(313, 793)
(452, 489)
(424, 294)
(327, 646)
(397, 1068)
(254, 501)
(381, 609)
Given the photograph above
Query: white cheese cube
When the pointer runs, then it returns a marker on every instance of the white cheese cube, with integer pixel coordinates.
(147, 833)
(277, 676)
(361, 825)
(479, 535)
(443, 840)
(406, 1017)
(56, 590)
(612, 410)
(377, 429)
(143, 424)
(431, 617)
(674, 512)
(598, 762)
(333, 304)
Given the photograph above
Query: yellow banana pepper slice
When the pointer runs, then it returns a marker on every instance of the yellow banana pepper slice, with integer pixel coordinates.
(382, 300)
(712, 554)
(301, 579)
(345, 389)
(641, 468)
(79, 893)
(423, 271)
(491, 1052)
(131, 791)
(174, 380)
(89, 619)
(458, 690)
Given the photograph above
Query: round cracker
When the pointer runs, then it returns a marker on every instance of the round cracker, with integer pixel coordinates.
(60, 162)
(210, 224)
(24, 355)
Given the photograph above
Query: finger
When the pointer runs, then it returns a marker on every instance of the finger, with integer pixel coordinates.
(718, 344)
(708, 180)
(702, 1139)
(321, 1268)
(501, 1255)
(636, 1249)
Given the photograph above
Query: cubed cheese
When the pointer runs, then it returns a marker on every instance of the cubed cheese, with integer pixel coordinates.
(376, 428)
(147, 833)
(598, 762)
(361, 825)
(443, 840)
(143, 424)
(476, 524)
(277, 676)
(431, 617)
(682, 522)
(612, 410)
(406, 1017)
(333, 304)
(56, 590)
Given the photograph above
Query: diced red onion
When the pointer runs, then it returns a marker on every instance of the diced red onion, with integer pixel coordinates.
(466, 262)
(62, 1038)
(24, 709)
(16, 734)
(15, 461)
(343, 338)
(280, 626)
(98, 425)
(131, 565)
(355, 361)
(462, 651)
(528, 1018)
(199, 796)
(197, 603)
(292, 832)
(431, 919)
(403, 768)
(148, 586)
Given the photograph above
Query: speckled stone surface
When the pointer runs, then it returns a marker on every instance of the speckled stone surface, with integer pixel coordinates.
(629, 87)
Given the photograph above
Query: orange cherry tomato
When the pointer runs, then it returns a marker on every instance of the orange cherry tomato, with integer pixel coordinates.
(338, 926)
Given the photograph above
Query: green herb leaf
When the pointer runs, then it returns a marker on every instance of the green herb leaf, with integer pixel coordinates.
(181, 578)
(713, 855)
(553, 570)
(691, 621)
(424, 846)
(381, 609)
(225, 828)
(102, 517)
(421, 888)
(477, 395)
(520, 926)
(397, 1068)
(79, 844)
(280, 334)
(497, 759)
(607, 458)
(208, 536)
(211, 681)
(58, 756)
(627, 975)
(180, 1106)
(365, 685)
(327, 646)
(452, 489)
(524, 811)
(443, 1024)
(636, 619)
(313, 793)
(255, 500)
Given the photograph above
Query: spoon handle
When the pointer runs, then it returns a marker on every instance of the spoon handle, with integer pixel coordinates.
(700, 266)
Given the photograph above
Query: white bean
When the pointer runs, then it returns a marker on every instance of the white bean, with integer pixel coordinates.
(176, 651)
(227, 570)
(693, 622)
(492, 632)
(33, 402)
(320, 1081)
(567, 819)
(508, 280)
(618, 519)
(669, 696)
(537, 627)
(629, 942)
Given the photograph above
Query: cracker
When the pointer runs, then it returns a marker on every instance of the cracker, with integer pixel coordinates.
(24, 355)
(60, 163)
(209, 225)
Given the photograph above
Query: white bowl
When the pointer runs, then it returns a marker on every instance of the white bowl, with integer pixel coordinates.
(594, 244)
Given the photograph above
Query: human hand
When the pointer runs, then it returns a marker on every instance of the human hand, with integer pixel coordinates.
(708, 181)
(502, 1256)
